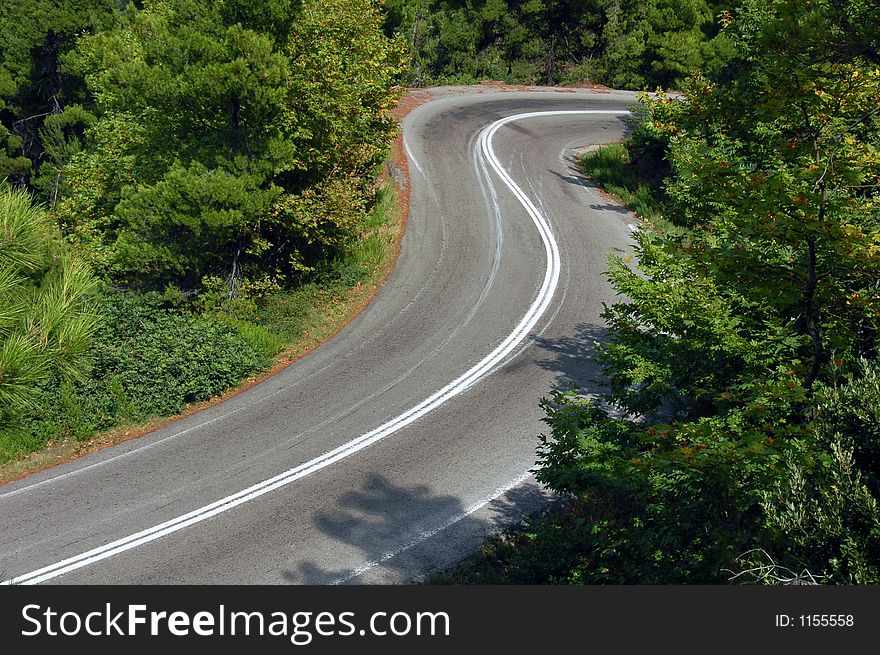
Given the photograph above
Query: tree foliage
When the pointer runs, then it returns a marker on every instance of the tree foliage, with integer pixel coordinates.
(213, 150)
(622, 43)
(756, 297)
(46, 305)
(38, 97)
(223, 130)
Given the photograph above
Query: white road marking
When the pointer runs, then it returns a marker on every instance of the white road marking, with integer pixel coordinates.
(412, 157)
(146, 446)
(454, 388)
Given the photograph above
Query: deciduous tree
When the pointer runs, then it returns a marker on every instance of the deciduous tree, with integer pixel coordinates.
(219, 125)
(755, 298)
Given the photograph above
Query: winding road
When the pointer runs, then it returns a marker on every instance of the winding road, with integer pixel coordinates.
(395, 447)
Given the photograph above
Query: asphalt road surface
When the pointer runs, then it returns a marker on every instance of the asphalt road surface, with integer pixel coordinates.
(393, 449)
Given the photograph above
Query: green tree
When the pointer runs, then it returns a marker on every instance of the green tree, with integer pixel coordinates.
(753, 295)
(46, 305)
(622, 43)
(35, 86)
(223, 126)
(658, 43)
(13, 164)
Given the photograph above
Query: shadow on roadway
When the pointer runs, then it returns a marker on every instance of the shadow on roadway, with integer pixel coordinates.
(381, 519)
(611, 208)
(575, 177)
(574, 358)
(386, 525)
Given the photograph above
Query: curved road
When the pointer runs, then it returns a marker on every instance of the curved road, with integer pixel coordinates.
(394, 448)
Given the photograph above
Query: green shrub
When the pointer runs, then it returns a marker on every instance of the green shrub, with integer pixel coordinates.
(164, 359)
(147, 360)
(822, 512)
(260, 339)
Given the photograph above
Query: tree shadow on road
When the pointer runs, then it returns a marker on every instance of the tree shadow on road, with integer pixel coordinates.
(399, 530)
(574, 177)
(574, 358)
(577, 179)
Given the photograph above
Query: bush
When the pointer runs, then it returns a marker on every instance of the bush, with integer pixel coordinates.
(263, 342)
(147, 361)
(648, 149)
(822, 511)
(700, 501)
(165, 359)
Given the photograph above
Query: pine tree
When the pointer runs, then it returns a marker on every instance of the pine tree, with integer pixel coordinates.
(46, 305)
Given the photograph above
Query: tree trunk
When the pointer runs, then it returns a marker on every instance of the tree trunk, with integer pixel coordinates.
(551, 62)
(810, 312)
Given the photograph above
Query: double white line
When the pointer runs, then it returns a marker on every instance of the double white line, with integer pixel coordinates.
(457, 386)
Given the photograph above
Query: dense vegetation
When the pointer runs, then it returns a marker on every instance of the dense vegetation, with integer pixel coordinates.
(234, 139)
(187, 180)
(46, 318)
(146, 360)
(739, 433)
(629, 44)
(208, 163)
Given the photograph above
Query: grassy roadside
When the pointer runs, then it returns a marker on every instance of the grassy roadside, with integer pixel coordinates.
(159, 358)
(557, 545)
(637, 185)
